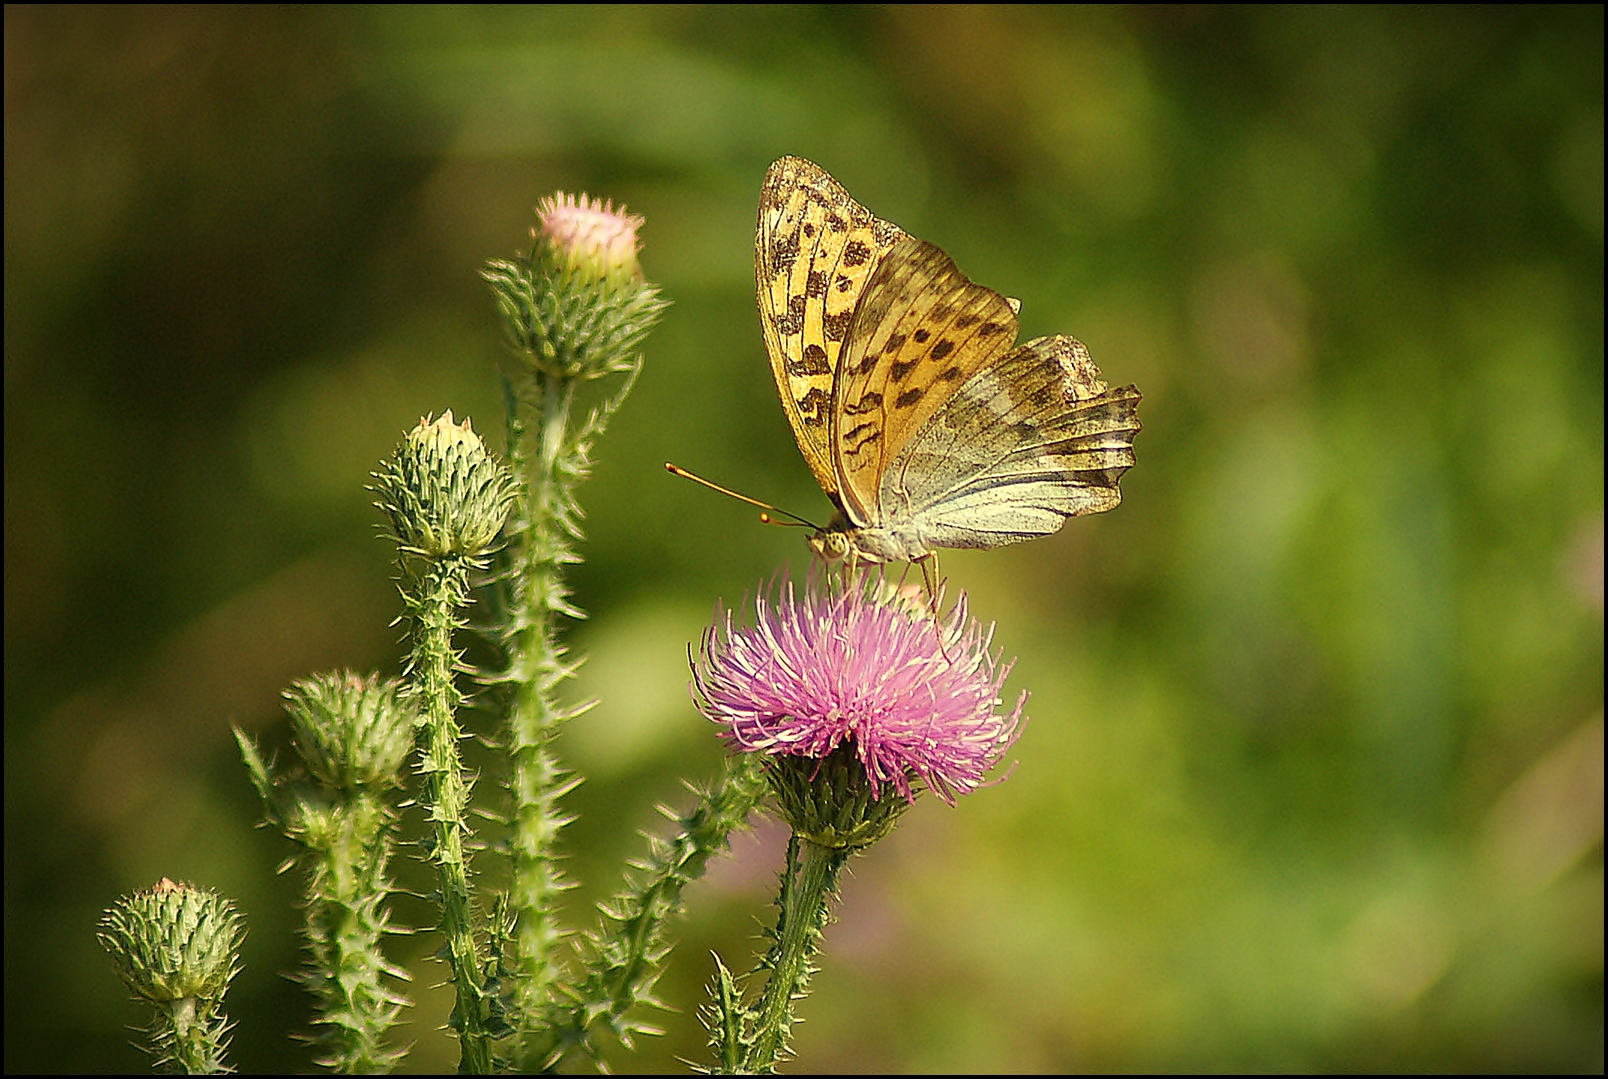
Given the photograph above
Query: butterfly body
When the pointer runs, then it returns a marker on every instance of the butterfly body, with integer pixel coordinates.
(917, 412)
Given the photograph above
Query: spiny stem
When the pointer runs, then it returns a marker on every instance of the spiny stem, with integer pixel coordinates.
(577, 310)
(353, 737)
(537, 668)
(191, 1043)
(345, 922)
(443, 587)
(626, 953)
(807, 884)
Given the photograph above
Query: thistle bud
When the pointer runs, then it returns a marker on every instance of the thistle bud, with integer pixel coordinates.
(577, 306)
(444, 493)
(352, 732)
(829, 800)
(174, 941)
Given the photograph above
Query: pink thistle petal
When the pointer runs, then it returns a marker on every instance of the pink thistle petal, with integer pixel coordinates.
(916, 696)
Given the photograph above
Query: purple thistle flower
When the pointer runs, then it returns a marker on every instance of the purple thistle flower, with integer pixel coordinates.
(915, 696)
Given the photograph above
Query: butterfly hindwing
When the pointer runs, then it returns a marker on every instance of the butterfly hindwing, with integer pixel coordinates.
(814, 250)
(1025, 443)
(921, 330)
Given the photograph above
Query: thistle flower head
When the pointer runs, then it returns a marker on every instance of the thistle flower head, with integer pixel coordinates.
(590, 236)
(444, 492)
(174, 941)
(914, 696)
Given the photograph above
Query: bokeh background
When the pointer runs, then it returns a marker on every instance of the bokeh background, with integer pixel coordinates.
(1314, 773)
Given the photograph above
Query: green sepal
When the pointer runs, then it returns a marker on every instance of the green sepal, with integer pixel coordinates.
(567, 323)
(830, 802)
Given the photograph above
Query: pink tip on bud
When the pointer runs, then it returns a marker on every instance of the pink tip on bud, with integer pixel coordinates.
(590, 234)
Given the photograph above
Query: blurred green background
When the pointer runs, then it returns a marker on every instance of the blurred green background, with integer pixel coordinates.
(1314, 773)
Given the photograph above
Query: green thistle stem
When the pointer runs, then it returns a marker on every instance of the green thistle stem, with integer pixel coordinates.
(345, 921)
(807, 883)
(353, 737)
(194, 1043)
(577, 310)
(537, 667)
(443, 587)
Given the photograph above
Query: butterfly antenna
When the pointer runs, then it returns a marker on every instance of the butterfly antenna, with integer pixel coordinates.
(796, 521)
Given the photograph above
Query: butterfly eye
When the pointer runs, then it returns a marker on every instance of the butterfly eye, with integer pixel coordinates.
(830, 546)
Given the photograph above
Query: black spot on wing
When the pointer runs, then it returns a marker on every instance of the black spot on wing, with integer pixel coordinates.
(812, 407)
(793, 321)
(858, 438)
(812, 362)
(869, 402)
(783, 253)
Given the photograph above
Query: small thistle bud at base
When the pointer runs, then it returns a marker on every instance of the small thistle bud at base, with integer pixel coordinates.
(443, 492)
(173, 941)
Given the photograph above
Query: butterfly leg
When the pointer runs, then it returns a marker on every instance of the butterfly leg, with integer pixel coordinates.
(851, 568)
(929, 577)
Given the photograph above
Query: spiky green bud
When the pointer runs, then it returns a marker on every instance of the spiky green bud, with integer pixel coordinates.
(174, 941)
(353, 732)
(577, 307)
(443, 491)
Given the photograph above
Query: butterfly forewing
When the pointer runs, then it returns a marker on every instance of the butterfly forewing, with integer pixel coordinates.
(814, 250)
(1027, 442)
(921, 330)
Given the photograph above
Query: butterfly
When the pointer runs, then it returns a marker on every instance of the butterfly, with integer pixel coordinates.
(922, 419)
